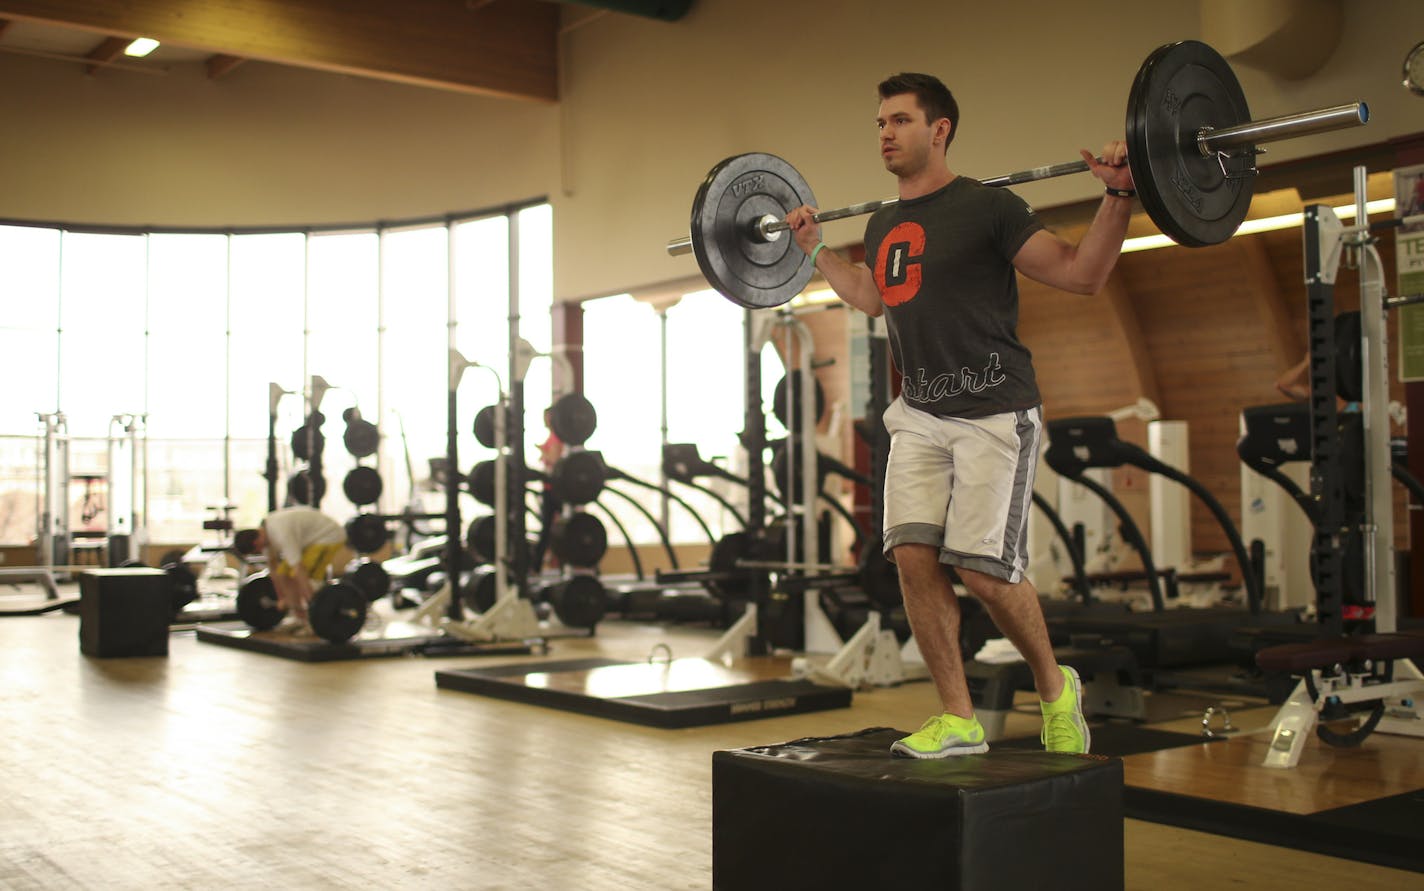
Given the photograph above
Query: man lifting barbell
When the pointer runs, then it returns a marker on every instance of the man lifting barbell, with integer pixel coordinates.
(966, 428)
(942, 258)
(300, 544)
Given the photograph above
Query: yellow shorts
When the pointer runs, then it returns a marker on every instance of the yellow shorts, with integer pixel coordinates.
(316, 559)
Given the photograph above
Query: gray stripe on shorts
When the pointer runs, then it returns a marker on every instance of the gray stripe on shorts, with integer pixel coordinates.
(1028, 430)
(912, 533)
(979, 563)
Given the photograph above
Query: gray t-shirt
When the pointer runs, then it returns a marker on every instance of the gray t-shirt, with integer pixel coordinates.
(943, 264)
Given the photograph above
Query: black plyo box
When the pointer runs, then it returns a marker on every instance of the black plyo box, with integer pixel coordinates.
(841, 813)
(124, 612)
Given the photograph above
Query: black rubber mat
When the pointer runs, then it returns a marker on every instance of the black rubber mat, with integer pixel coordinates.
(313, 649)
(1117, 740)
(1386, 831)
(666, 709)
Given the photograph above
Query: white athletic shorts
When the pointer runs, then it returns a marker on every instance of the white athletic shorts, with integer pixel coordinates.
(963, 485)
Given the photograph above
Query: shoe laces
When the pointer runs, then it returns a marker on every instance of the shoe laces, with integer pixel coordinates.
(1059, 730)
(932, 724)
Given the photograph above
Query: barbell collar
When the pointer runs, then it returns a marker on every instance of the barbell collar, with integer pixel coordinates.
(768, 228)
(1322, 120)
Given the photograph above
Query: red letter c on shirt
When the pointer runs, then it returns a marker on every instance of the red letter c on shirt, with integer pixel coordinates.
(897, 270)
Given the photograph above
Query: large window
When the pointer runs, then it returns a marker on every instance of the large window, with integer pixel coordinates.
(690, 358)
(202, 334)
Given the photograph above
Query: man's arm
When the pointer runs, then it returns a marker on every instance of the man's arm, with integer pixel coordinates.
(1294, 383)
(1084, 268)
(852, 282)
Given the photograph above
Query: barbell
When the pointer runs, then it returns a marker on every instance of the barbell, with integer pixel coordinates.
(336, 612)
(1191, 146)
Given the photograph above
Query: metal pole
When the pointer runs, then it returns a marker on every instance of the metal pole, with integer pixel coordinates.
(516, 523)
(1374, 407)
(452, 448)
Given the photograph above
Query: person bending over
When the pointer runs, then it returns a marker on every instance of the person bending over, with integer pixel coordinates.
(300, 544)
(966, 428)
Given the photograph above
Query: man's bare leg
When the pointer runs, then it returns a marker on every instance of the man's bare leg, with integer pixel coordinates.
(1016, 612)
(933, 611)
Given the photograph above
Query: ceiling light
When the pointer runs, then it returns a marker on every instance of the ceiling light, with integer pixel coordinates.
(1264, 224)
(141, 47)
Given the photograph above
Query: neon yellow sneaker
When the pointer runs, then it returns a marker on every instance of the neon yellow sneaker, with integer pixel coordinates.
(941, 737)
(1064, 729)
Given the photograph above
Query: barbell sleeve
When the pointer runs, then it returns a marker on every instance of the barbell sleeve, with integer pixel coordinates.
(1306, 123)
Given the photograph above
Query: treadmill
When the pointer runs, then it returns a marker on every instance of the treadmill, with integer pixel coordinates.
(1165, 639)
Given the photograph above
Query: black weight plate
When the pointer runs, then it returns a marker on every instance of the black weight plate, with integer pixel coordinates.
(479, 592)
(182, 586)
(300, 486)
(579, 539)
(793, 382)
(371, 579)
(573, 418)
(337, 612)
(481, 482)
(257, 603)
(1180, 89)
(579, 601)
(362, 486)
(1349, 368)
(361, 438)
(484, 426)
(726, 552)
(306, 441)
(578, 477)
(741, 266)
(366, 533)
(479, 538)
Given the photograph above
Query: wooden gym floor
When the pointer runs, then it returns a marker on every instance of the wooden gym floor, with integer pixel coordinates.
(217, 767)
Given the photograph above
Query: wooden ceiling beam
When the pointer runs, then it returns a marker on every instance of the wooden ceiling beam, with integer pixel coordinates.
(4, 23)
(499, 49)
(221, 64)
(107, 51)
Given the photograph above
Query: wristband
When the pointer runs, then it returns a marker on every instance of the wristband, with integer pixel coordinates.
(1121, 193)
(816, 250)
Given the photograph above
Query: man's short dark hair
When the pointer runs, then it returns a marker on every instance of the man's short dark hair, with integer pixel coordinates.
(930, 93)
(245, 542)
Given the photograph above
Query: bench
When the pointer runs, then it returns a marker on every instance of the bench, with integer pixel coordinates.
(1374, 671)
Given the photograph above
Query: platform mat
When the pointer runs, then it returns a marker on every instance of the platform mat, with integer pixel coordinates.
(1387, 831)
(681, 693)
(395, 639)
(1117, 740)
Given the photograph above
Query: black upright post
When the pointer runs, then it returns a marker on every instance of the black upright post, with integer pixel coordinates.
(875, 406)
(1326, 477)
(754, 441)
(453, 544)
(516, 554)
(271, 461)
